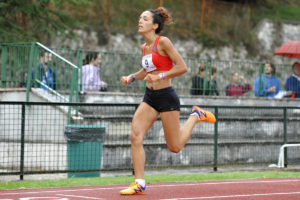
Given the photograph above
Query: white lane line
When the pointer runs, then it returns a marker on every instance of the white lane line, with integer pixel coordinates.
(227, 182)
(235, 196)
(51, 191)
(152, 186)
(39, 198)
(82, 197)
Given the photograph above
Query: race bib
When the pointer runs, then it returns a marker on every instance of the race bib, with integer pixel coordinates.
(147, 63)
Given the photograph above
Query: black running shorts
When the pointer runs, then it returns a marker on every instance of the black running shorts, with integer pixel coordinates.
(162, 100)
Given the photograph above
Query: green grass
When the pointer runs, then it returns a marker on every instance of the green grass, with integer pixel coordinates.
(150, 179)
(280, 12)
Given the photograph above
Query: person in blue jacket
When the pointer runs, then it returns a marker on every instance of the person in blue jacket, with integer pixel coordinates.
(292, 84)
(44, 73)
(267, 84)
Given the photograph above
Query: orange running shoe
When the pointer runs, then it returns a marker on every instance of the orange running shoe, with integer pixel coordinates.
(134, 188)
(203, 115)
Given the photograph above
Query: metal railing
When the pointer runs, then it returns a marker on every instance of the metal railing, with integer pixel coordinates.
(33, 65)
(117, 64)
(16, 57)
(33, 138)
(28, 65)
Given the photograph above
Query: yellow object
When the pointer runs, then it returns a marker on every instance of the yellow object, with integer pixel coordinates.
(134, 188)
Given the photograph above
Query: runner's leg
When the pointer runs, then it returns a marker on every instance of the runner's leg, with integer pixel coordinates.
(175, 136)
(143, 119)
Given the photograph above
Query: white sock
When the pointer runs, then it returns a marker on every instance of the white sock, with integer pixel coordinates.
(194, 113)
(141, 182)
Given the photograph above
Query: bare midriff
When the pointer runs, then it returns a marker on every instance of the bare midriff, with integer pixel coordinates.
(158, 84)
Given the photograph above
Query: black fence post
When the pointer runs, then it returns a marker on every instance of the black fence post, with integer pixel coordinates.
(285, 135)
(216, 141)
(22, 142)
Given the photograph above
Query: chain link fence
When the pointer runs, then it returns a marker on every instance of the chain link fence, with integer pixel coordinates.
(38, 137)
(20, 61)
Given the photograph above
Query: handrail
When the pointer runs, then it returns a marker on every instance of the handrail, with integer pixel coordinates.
(32, 79)
(73, 87)
(44, 47)
(53, 91)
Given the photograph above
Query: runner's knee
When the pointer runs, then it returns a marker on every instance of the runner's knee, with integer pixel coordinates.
(174, 148)
(136, 138)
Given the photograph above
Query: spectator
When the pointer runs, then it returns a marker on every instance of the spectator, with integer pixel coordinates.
(292, 84)
(201, 83)
(45, 74)
(214, 81)
(267, 84)
(90, 74)
(237, 86)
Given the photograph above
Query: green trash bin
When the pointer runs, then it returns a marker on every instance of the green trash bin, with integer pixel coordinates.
(84, 149)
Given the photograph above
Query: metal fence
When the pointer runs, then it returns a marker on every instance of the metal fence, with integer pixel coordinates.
(33, 65)
(38, 138)
(16, 64)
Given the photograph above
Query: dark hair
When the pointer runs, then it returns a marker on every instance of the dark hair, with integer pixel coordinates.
(213, 69)
(89, 57)
(295, 63)
(160, 17)
(42, 53)
(201, 68)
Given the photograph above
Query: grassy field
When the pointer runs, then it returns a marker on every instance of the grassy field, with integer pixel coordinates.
(150, 179)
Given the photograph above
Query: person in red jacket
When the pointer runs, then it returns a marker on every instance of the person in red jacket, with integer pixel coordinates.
(238, 85)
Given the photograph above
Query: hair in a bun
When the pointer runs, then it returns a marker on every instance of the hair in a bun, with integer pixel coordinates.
(160, 17)
(165, 14)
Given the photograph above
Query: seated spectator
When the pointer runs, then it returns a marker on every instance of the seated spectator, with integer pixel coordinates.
(45, 74)
(237, 86)
(89, 75)
(292, 84)
(201, 83)
(267, 84)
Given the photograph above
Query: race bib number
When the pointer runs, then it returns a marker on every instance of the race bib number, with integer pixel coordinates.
(147, 63)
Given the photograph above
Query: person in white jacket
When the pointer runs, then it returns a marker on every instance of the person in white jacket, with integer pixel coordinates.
(89, 76)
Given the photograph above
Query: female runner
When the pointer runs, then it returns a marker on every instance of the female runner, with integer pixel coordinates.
(161, 62)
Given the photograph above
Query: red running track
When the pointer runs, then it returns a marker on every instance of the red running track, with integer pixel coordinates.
(251, 189)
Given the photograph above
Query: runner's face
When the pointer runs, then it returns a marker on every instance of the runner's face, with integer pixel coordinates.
(146, 22)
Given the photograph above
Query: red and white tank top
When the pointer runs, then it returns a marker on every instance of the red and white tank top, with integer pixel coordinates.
(156, 62)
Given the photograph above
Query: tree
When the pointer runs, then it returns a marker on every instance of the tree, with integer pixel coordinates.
(34, 20)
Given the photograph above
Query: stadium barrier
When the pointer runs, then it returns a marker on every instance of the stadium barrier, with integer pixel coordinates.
(32, 139)
(18, 60)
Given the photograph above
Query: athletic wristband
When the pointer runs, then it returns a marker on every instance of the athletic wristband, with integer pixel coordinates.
(133, 77)
(162, 76)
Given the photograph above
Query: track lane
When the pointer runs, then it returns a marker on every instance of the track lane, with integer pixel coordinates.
(251, 189)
